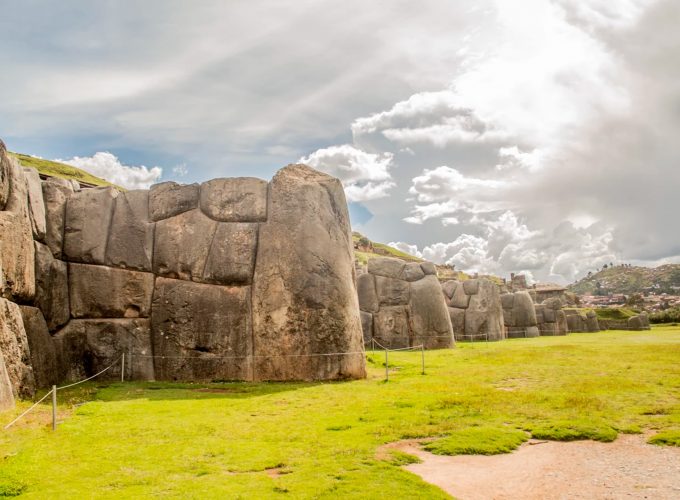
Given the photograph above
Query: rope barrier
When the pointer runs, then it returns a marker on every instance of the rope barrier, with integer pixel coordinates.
(27, 411)
(93, 376)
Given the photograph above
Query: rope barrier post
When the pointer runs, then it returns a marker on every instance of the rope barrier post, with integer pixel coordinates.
(422, 355)
(54, 407)
(122, 367)
(387, 369)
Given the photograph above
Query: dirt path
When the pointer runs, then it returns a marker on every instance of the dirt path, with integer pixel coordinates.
(626, 468)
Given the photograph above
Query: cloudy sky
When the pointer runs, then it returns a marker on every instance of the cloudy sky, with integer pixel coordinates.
(500, 136)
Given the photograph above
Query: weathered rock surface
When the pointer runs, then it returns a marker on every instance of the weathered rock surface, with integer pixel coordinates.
(51, 287)
(87, 346)
(592, 323)
(428, 268)
(15, 350)
(231, 259)
(429, 318)
(182, 245)
(207, 325)
(130, 243)
(17, 273)
(168, 199)
(368, 297)
(387, 267)
(106, 292)
(17, 276)
(237, 199)
(367, 326)
(42, 347)
(391, 327)
(459, 298)
(304, 298)
(392, 291)
(520, 315)
(484, 315)
(87, 223)
(458, 322)
(55, 193)
(36, 205)
(6, 394)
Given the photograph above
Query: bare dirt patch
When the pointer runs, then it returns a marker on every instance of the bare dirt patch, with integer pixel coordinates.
(628, 467)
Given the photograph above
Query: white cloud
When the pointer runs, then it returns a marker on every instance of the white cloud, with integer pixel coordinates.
(405, 247)
(108, 166)
(180, 170)
(365, 175)
(444, 182)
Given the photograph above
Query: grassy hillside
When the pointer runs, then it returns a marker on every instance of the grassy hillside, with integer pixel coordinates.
(365, 249)
(56, 169)
(322, 440)
(629, 280)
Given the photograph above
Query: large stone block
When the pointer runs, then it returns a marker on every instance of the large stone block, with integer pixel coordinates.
(429, 317)
(387, 267)
(523, 310)
(130, 243)
(51, 287)
(449, 287)
(204, 331)
(368, 297)
(42, 347)
(484, 315)
(367, 326)
(86, 226)
(15, 350)
(471, 287)
(428, 268)
(391, 327)
(231, 260)
(392, 291)
(17, 255)
(592, 322)
(305, 305)
(507, 300)
(412, 272)
(55, 193)
(36, 205)
(459, 299)
(237, 199)
(457, 317)
(168, 199)
(182, 245)
(87, 346)
(107, 292)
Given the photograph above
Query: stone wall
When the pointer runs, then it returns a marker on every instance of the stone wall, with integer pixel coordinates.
(402, 305)
(230, 279)
(550, 318)
(578, 321)
(519, 315)
(475, 309)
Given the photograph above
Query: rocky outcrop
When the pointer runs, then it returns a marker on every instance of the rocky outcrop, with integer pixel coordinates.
(519, 315)
(233, 279)
(305, 306)
(404, 303)
(475, 309)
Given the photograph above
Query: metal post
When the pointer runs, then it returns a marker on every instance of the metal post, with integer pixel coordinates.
(422, 354)
(387, 369)
(122, 368)
(54, 407)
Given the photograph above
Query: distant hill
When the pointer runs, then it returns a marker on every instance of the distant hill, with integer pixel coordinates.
(56, 169)
(630, 280)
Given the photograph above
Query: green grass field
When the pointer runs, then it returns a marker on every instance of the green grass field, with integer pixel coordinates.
(319, 440)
